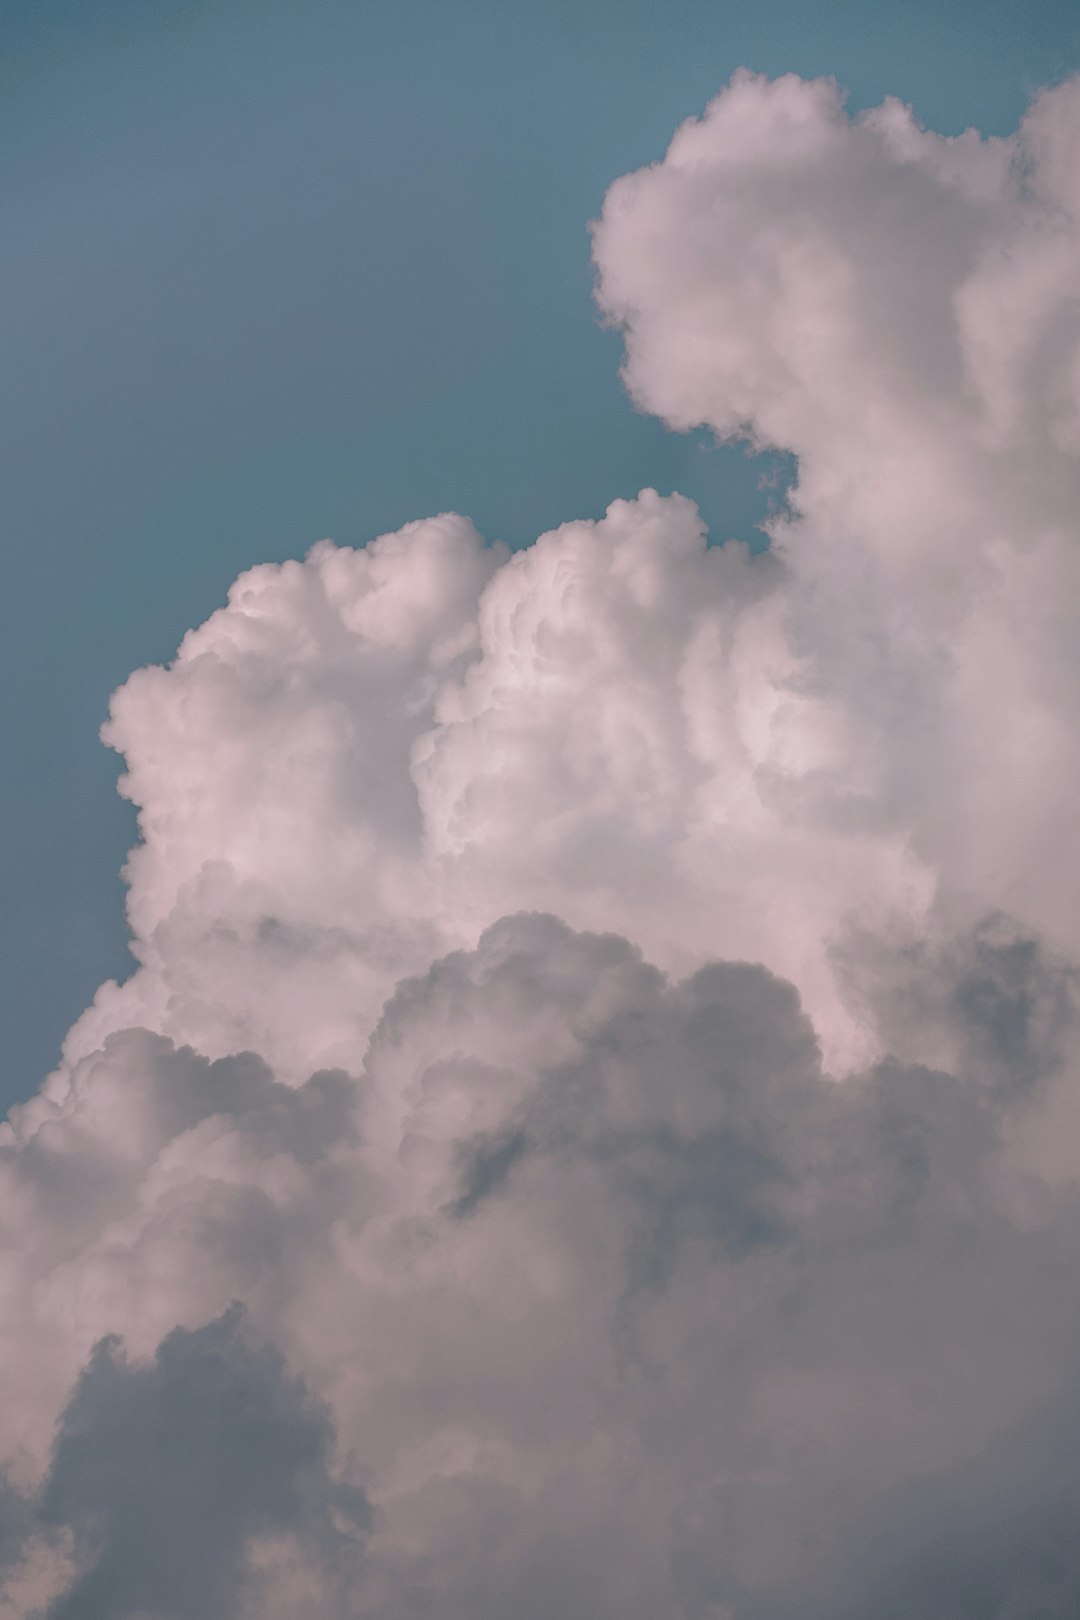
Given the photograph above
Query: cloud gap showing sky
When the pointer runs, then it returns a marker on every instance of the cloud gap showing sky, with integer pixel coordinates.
(595, 1125)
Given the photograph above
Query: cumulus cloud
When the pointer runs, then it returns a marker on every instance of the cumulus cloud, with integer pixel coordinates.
(593, 1128)
(901, 312)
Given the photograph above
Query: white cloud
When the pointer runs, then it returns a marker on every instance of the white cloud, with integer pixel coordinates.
(594, 1293)
(901, 311)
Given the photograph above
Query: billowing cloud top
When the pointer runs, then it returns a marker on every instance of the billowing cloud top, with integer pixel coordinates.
(595, 1126)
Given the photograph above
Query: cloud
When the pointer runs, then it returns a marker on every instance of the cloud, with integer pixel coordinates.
(608, 1013)
(166, 1473)
(604, 1295)
(900, 311)
(163, 1187)
(994, 1536)
(369, 756)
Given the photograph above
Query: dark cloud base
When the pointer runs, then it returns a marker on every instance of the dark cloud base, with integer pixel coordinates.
(640, 1232)
(164, 1473)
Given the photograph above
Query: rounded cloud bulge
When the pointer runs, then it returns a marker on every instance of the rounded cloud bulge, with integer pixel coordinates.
(593, 1125)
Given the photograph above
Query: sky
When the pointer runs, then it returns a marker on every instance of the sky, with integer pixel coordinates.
(279, 272)
(567, 526)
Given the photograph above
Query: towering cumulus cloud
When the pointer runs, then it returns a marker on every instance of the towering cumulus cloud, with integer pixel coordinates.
(595, 1127)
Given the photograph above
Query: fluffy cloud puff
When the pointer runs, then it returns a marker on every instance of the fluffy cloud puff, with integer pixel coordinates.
(901, 312)
(383, 1244)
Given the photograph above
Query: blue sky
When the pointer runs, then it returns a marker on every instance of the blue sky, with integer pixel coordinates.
(274, 272)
